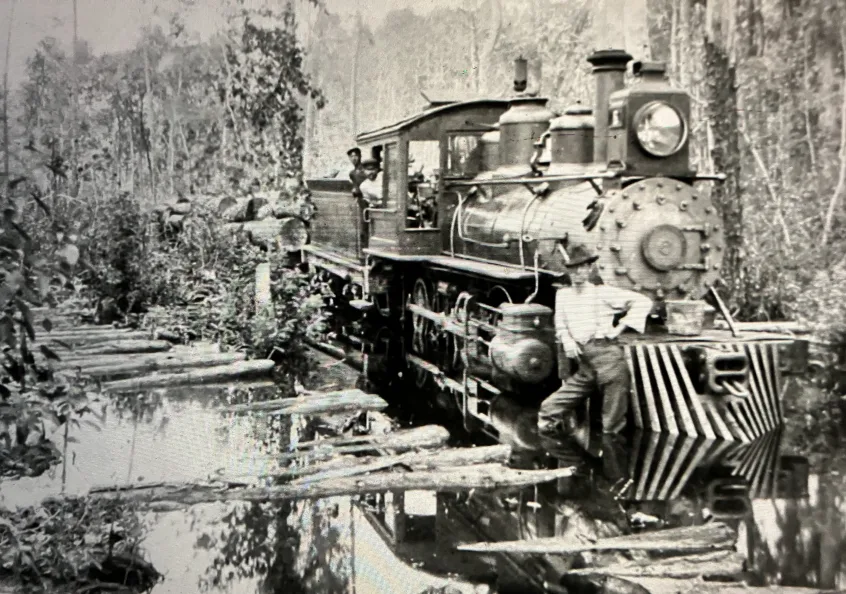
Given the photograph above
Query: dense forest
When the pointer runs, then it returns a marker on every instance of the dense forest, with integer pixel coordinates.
(283, 90)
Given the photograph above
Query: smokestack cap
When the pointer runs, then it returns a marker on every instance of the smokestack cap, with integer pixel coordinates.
(649, 69)
(610, 59)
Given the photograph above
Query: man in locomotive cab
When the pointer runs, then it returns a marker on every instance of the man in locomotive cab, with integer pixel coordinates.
(371, 187)
(358, 174)
(585, 316)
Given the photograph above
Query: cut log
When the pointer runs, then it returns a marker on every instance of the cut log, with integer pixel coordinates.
(673, 586)
(428, 436)
(232, 372)
(712, 536)
(712, 564)
(72, 359)
(151, 364)
(244, 209)
(327, 402)
(494, 476)
(180, 208)
(123, 347)
(413, 460)
(83, 339)
(225, 204)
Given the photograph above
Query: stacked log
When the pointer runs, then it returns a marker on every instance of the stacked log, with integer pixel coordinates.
(268, 219)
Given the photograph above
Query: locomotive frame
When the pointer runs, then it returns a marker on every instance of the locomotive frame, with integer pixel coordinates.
(444, 300)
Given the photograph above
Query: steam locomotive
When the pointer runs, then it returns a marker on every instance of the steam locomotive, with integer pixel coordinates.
(449, 283)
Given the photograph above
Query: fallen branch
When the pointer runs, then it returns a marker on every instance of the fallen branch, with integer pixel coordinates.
(428, 436)
(327, 402)
(688, 538)
(233, 372)
(455, 479)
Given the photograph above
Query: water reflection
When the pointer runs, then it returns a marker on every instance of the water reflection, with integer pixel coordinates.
(788, 515)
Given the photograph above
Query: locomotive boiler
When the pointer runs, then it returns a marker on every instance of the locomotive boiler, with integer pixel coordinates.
(449, 279)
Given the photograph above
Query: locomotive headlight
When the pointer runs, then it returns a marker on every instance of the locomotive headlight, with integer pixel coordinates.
(660, 129)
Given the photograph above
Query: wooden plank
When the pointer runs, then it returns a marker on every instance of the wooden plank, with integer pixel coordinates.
(778, 381)
(772, 392)
(711, 564)
(720, 428)
(637, 446)
(699, 412)
(638, 414)
(652, 442)
(681, 455)
(231, 372)
(669, 415)
(666, 452)
(698, 454)
(646, 382)
(688, 426)
(741, 415)
(488, 476)
(733, 422)
(711, 536)
(757, 387)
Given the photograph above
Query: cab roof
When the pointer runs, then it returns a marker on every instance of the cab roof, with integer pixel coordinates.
(419, 119)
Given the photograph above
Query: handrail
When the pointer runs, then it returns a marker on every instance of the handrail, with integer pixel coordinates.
(536, 180)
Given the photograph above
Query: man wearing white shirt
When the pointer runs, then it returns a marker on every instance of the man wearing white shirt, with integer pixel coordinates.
(371, 187)
(585, 325)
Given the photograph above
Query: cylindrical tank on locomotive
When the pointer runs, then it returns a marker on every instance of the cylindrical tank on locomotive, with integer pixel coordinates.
(659, 236)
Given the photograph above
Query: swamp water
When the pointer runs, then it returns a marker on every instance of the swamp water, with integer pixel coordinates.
(788, 509)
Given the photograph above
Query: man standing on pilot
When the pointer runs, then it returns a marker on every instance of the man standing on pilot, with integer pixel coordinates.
(588, 320)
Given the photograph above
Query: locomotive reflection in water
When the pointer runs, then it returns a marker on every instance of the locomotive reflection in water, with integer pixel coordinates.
(661, 480)
(449, 281)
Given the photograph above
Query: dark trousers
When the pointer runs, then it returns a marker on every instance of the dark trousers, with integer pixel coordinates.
(602, 365)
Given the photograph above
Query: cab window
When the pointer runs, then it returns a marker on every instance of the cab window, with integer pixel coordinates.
(462, 155)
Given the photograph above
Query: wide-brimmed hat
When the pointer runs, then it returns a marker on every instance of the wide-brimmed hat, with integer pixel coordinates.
(370, 164)
(355, 150)
(579, 255)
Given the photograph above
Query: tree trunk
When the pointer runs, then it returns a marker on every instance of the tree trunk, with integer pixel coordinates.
(637, 30)
(415, 460)
(428, 436)
(232, 372)
(493, 476)
(722, 115)
(840, 190)
(327, 402)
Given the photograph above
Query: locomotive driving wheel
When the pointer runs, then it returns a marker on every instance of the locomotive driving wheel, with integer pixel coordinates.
(423, 331)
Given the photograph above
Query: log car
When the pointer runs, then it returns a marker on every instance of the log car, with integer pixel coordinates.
(459, 298)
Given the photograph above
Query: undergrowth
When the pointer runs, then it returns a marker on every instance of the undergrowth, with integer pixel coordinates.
(75, 543)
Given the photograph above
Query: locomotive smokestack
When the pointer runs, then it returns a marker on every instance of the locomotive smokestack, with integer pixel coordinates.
(609, 67)
(520, 74)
